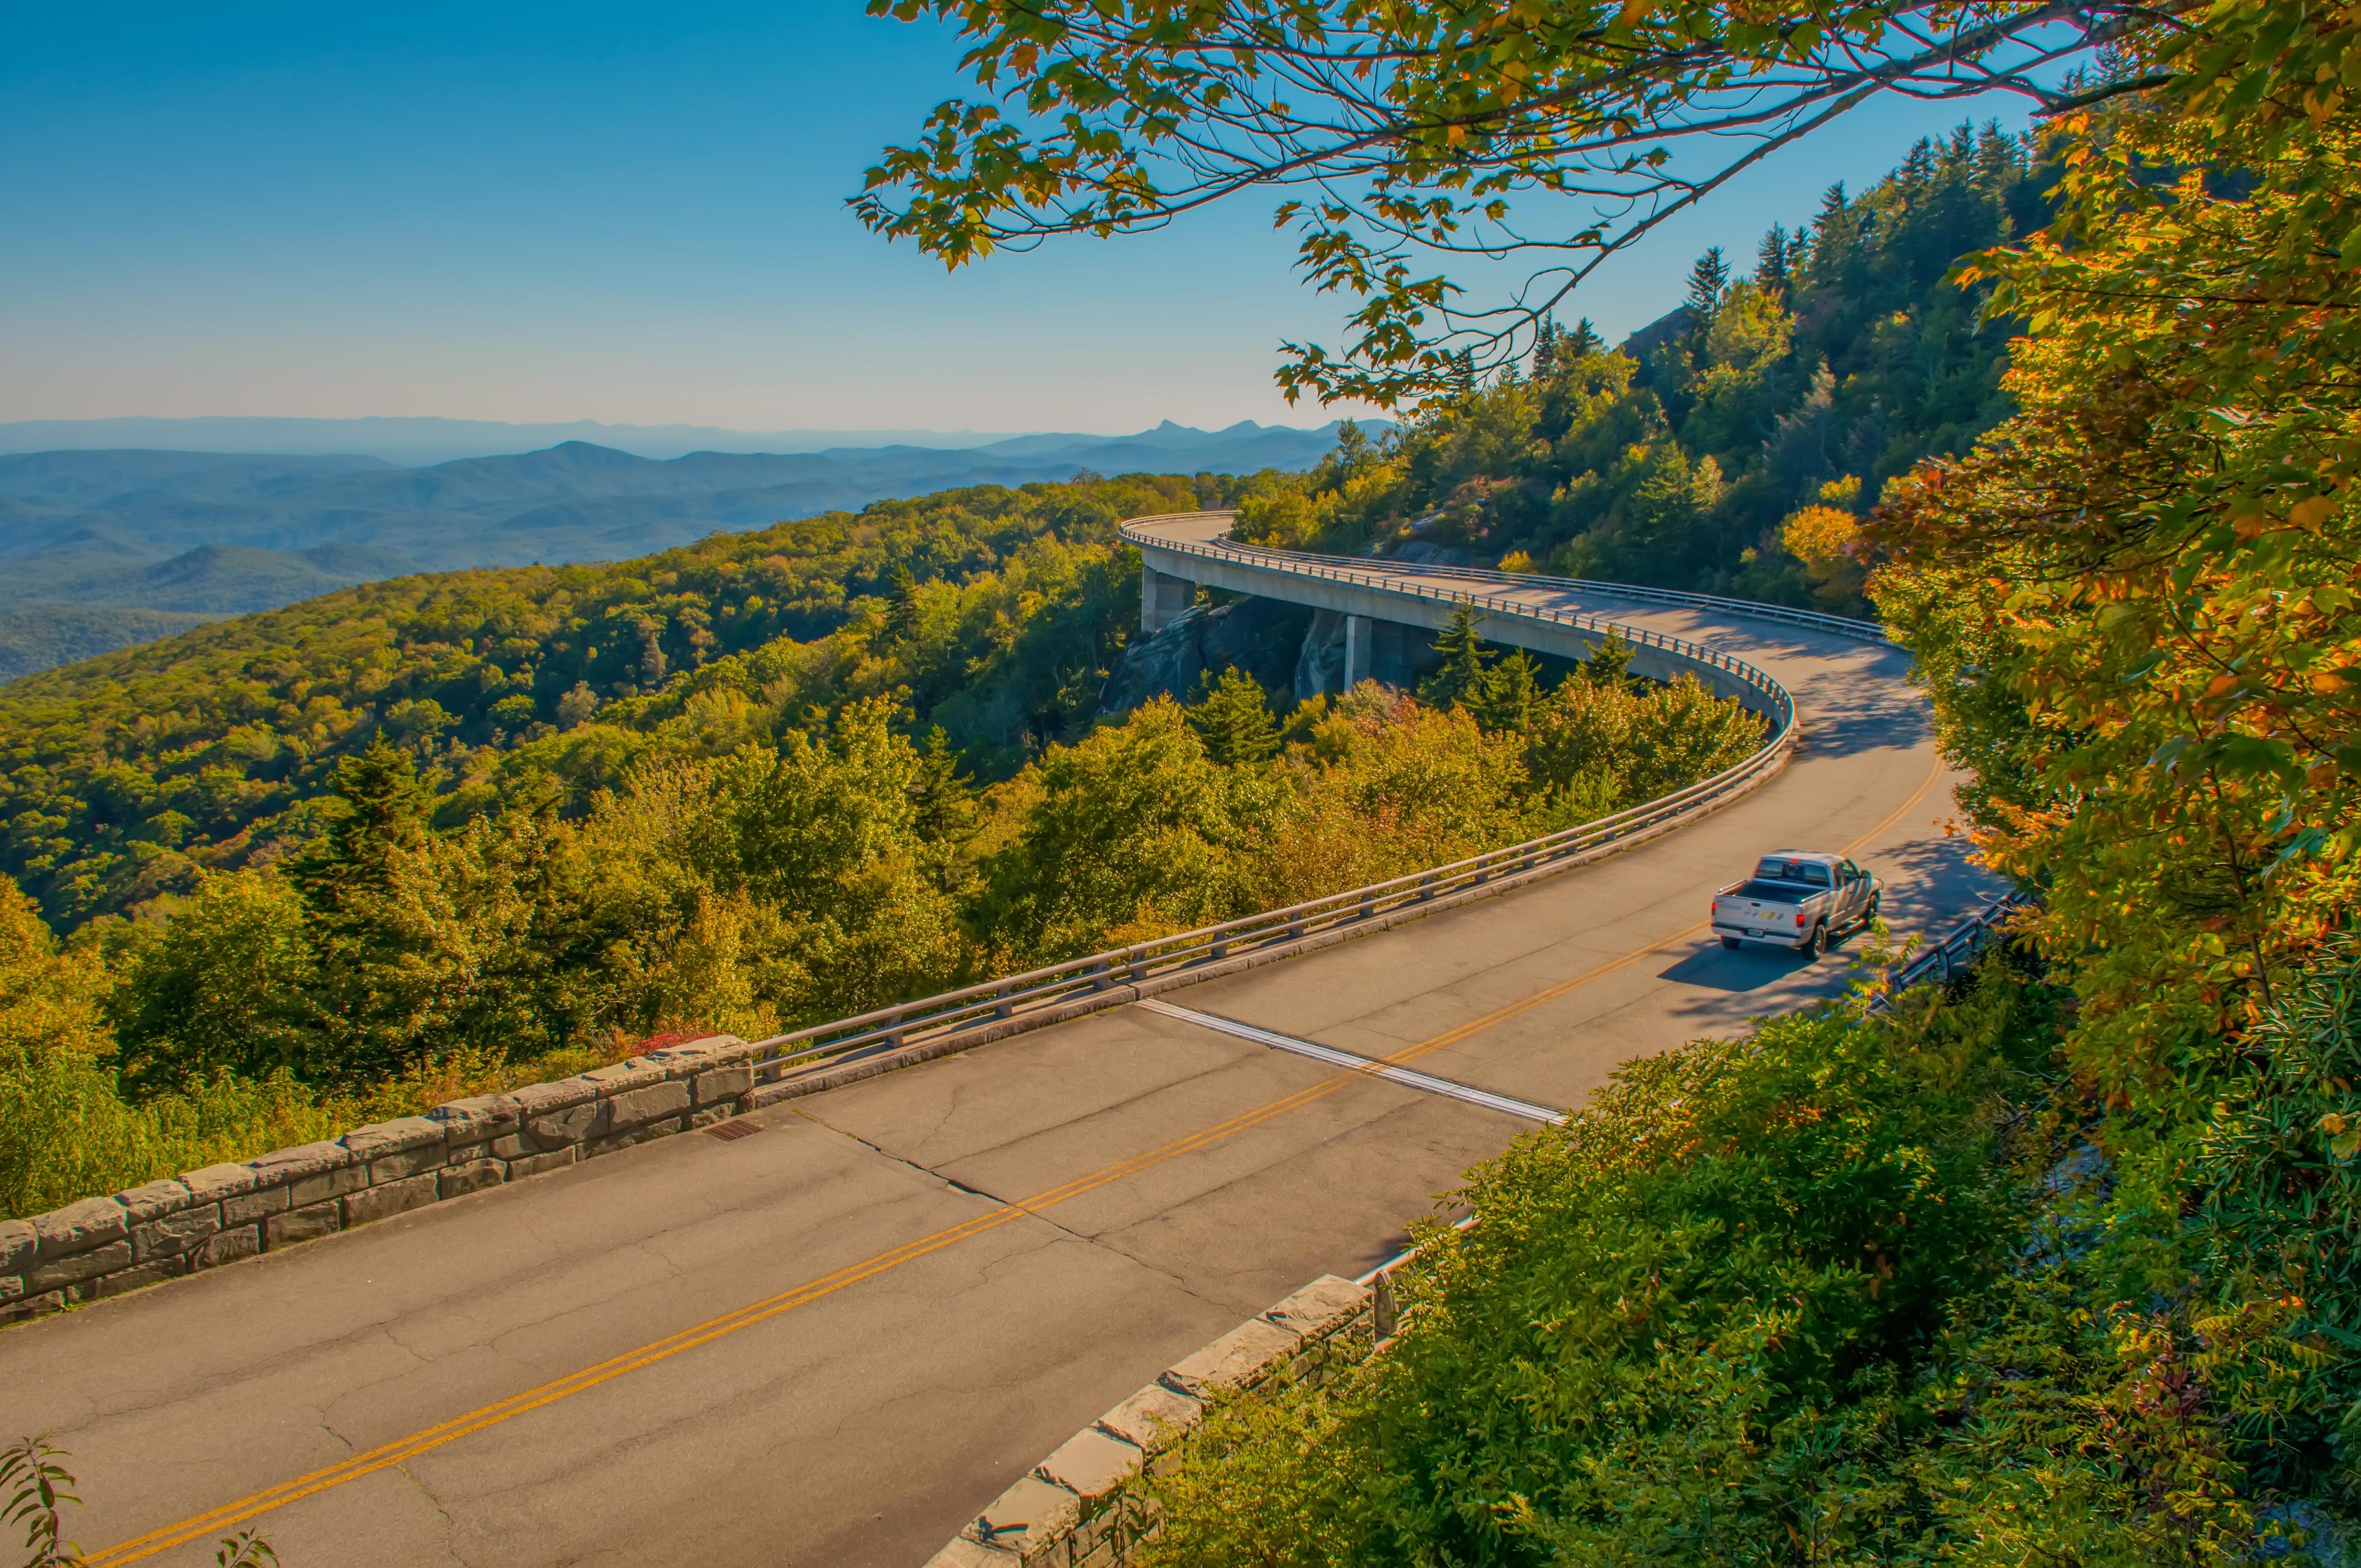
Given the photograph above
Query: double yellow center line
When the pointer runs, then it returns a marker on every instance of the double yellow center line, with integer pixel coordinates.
(229, 1515)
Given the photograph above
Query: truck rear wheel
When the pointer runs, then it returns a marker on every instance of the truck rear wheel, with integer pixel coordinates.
(1730, 942)
(1819, 941)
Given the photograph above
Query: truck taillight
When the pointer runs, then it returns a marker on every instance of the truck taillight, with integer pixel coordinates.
(1799, 917)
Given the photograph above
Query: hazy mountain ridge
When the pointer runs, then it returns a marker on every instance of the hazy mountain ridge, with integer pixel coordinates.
(176, 535)
(410, 441)
(419, 441)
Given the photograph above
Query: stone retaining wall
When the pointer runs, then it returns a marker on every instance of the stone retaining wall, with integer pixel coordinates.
(103, 1246)
(1080, 1509)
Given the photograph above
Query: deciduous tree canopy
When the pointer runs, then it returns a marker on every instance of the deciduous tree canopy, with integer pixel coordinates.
(1402, 135)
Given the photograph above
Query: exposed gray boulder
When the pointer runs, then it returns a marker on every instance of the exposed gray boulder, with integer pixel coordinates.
(1320, 663)
(1259, 636)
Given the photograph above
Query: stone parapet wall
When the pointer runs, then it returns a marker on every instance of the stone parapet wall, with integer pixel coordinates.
(103, 1246)
(1081, 1507)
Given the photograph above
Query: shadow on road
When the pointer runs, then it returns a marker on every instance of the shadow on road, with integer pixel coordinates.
(1848, 724)
(1717, 968)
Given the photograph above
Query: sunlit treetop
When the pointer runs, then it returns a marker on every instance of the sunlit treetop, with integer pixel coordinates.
(1401, 134)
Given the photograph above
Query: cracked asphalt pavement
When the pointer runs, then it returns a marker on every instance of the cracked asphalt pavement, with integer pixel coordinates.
(863, 1426)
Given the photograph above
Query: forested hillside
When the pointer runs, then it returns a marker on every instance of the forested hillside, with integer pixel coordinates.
(1735, 445)
(1001, 610)
(449, 832)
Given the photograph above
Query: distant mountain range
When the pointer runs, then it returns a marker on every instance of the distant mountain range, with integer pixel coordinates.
(414, 441)
(101, 549)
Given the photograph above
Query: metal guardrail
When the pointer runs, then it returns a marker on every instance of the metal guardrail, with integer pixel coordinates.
(917, 1022)
(1341, 569)
(926, 1019)
(1398, 574)
(1949, 956)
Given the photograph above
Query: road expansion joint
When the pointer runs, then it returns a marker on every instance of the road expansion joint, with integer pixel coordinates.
(883, 1153)
(1038, 1214)
(1140, 1096)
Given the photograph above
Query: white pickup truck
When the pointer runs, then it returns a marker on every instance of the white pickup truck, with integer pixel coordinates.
(1799, 899)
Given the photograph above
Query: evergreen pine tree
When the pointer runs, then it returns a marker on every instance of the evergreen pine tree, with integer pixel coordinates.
(1545, 349)
(361, 1016)
(1916, 172)
(1833, 228)
(942, 799)
(1511, 693)
(1997, 156)
(1462, 678)
(1235, 720)
(1609, 664)
(383, 803)
(1709, 276)
(901, 603)
(1771, 262)
(1579, 344)
(1353, 454)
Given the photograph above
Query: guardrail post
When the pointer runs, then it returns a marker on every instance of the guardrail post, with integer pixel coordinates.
(1001, 1006)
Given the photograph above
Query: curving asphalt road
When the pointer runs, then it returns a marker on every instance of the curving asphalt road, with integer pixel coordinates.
(831, 1343)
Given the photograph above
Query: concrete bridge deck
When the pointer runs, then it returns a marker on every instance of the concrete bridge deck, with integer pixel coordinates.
(832, 1342)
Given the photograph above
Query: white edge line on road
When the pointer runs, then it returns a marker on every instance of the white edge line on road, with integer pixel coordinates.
(1424, 1083)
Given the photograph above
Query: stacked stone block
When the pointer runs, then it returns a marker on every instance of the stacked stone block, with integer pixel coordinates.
(1082, 1507)
(103, 1246)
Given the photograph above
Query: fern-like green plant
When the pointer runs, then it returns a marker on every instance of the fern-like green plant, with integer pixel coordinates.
(40, 1487)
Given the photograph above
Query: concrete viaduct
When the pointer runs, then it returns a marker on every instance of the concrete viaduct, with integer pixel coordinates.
(831, 1343)
(1378, 599)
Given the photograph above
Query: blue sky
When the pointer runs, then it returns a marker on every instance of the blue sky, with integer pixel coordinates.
(631, 214)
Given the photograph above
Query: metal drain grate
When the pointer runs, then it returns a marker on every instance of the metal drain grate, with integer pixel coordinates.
(732, 1128)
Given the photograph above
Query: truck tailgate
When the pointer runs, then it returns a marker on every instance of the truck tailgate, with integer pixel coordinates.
(1755, 915)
